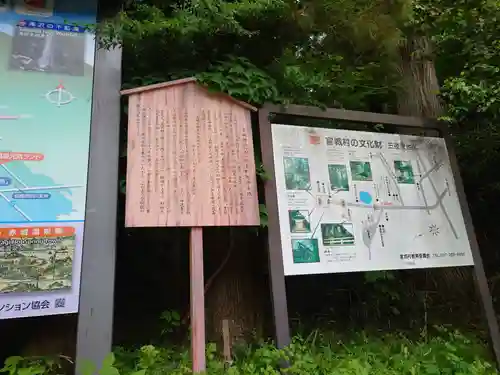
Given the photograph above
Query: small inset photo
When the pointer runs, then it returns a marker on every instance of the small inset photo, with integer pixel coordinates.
(299, 221)
(297, 175)
(337, 234)
(41, 8)
(339, 179)
(404, 172)
(47, 51)
(361, 171)
(305, 250)
(4, 5)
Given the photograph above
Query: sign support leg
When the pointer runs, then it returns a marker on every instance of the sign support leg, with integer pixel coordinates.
(481, 280)
(197, 300)
(95, 320)
(276, 269)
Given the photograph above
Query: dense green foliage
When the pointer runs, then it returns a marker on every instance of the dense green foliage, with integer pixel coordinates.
(334, 53)
(445, 353)
(325, 52)
(468, 61)
(449, 353)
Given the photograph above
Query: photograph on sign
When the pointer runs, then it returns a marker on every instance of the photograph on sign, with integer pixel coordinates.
(36, 259)
(40, 8)
(49, 47)
(363, 201)
(4, 5)
(46, 74)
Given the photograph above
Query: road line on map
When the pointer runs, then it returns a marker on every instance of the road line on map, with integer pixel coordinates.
(445, 213)
(426, 174)
(14, 206)
(43, 188)
(371, 229)
(13, 175)
(319, 223)
(393, 177)
(431, 207)
(315, 203)
(422, 190)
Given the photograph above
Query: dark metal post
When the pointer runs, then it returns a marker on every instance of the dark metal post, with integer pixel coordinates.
(95, 321)
(480, 276)
(276, 270)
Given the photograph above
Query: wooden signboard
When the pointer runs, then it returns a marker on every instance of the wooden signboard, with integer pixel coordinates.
(190, 164)
(190, 158)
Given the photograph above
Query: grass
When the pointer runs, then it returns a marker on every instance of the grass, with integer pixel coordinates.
(446, 352)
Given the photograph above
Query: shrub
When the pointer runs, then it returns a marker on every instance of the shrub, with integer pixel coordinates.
(448, 352)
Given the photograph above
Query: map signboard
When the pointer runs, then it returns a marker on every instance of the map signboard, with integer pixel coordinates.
(46, 77)
(363, 201)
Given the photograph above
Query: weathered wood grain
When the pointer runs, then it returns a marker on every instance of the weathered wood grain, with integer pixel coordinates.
(190, 159)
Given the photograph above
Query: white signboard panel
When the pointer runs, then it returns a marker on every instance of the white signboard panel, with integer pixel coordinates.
(361, 201)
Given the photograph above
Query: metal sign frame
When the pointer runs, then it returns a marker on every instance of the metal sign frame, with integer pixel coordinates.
(277, 276)
(95, 318)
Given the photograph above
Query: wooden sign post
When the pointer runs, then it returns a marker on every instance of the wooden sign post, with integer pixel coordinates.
(190, 164)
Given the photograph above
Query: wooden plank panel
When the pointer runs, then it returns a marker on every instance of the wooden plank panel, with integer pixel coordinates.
(197, 300)
(190, 160)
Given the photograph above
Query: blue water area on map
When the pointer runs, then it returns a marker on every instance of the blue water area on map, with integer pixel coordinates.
(38, 205)
(365, 197)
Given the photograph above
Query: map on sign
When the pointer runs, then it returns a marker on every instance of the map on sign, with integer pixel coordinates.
(44, 139)
(361, 201)
(25, 196)
(36, 259)
(46, 79)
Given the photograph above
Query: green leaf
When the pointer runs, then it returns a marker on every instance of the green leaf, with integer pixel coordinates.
(109, 371)
(109, 360)
(87, 368)
(26, 371)
(13, 361)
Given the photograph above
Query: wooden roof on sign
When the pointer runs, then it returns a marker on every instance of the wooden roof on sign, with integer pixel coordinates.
(183, 81)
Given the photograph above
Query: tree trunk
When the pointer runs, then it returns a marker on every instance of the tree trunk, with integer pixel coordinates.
(419, 97)
(234, 288)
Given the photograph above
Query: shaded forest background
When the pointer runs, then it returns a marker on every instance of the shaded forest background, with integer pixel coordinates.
(433, 58)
